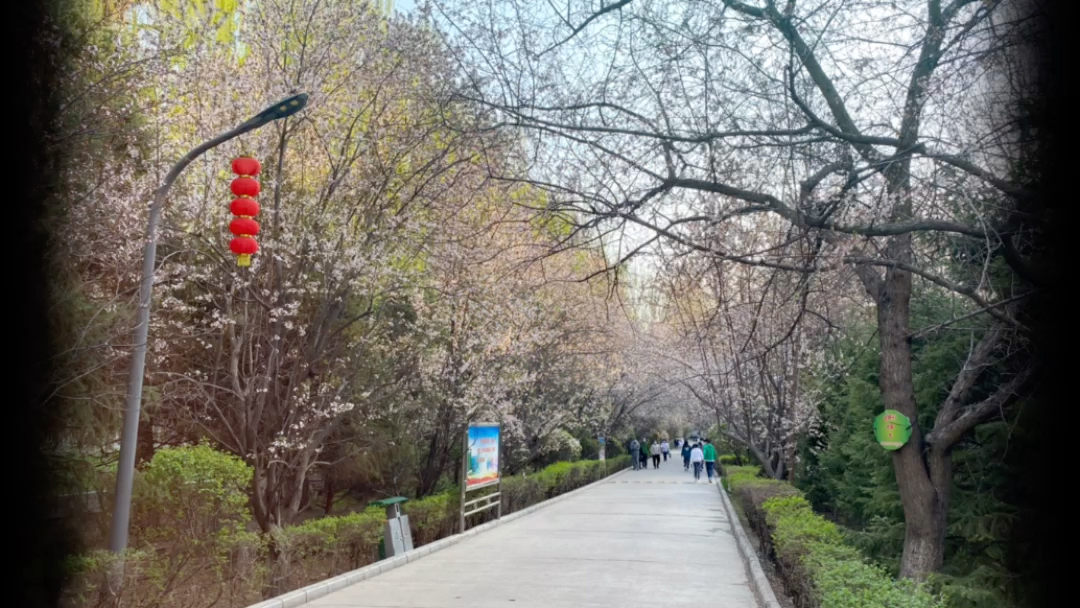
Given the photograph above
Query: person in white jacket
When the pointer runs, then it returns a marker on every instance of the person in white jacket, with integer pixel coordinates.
(655, 451)
(697, 458)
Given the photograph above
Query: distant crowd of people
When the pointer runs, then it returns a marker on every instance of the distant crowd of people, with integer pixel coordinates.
(699, 454)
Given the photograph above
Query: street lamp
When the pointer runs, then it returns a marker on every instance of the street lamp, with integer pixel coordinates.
(125, 472)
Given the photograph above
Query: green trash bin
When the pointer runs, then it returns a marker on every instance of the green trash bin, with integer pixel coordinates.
(397, 536)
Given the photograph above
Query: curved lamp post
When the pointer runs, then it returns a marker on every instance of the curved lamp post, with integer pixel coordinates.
(125, 473)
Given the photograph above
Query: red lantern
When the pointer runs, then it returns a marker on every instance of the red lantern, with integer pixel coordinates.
(244, 226)
(246, 166)
(245, 208)
(245, 186)
(243, 245)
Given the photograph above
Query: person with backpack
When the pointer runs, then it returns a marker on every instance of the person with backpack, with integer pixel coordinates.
(686, 455)
(696, 458)
(709, 456)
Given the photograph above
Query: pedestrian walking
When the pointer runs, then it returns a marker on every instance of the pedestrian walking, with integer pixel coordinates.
(697, 456)
(655, 455)
(665, 449)
(633, 450)
(686, 456)
(709, 456)
(643, 455)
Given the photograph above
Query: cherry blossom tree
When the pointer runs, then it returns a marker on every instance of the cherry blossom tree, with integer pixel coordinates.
(879, 131)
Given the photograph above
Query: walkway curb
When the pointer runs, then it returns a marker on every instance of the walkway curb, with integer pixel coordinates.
(302, 596)
(762, 589)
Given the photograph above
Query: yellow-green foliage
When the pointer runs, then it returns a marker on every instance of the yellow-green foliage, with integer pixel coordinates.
(433, 517)
(324, 547)
(818, 569)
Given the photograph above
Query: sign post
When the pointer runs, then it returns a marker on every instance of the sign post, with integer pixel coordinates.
(480, 469)
(892, 429)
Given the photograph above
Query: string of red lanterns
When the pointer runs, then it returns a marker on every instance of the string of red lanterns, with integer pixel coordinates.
(245, 208)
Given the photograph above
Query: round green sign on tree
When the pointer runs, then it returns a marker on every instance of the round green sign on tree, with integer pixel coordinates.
(892, 429)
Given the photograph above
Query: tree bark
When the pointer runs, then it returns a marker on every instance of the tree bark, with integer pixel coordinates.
(924, 506)
(144, 449)
(279, 567)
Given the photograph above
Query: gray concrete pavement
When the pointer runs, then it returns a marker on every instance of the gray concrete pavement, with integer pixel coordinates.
(645, 538)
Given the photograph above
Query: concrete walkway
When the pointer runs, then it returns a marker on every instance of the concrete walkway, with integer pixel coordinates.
(646, 539)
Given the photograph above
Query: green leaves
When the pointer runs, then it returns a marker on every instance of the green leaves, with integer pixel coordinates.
(797, 525)
(843, 580)
(193, 493)
(816, 560)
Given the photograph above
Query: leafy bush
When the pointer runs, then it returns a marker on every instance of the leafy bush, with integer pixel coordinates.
(845, 580)
(520, 492)
(189, 538)
(192, 493)
(88, 585)
(191, 514)
(321, 548)
(818, 569)
(433, 517)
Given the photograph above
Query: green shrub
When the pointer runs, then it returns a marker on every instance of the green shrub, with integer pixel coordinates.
(795, 525)
(433, 517)
(522, 491)
(189, 538)
(87, 583)
(618, 463)
(844, 580)
(191, 493)
(191, 510)
(818, 569)
(322, 548)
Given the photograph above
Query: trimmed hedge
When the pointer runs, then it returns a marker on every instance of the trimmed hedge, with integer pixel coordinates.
(432, 517)
(817, 568)
(521, 492)
(232, 570)
(322, 548)
(435, 517)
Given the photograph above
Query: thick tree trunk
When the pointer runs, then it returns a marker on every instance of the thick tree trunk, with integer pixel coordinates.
(765, 460)
(276, 583)
(144, 448)
(439, 447)
(924, 507)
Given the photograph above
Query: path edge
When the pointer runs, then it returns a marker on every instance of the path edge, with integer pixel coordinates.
(762, 588)
(299, 597)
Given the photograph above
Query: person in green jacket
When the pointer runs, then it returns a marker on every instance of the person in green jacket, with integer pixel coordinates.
(710, 459)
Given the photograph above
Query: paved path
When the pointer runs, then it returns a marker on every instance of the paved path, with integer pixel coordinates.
(647, 538)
